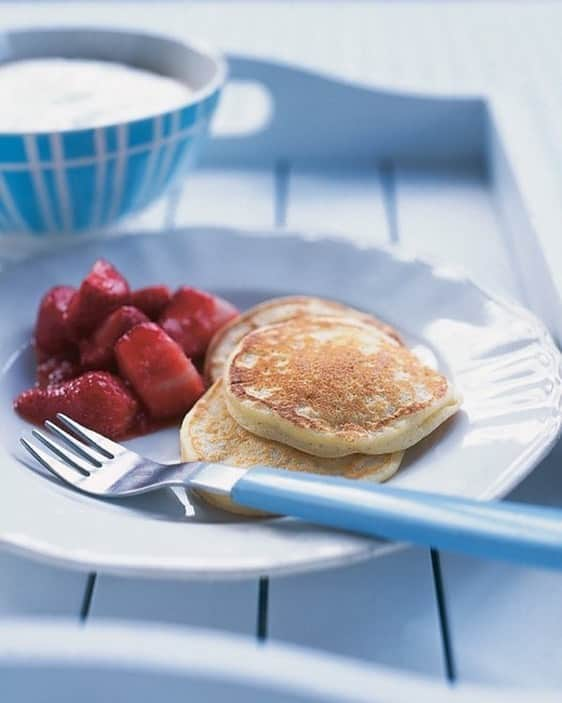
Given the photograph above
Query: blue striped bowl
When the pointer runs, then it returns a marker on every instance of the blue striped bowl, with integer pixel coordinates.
(78, 180)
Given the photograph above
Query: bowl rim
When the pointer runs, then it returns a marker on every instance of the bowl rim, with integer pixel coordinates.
(196, 96)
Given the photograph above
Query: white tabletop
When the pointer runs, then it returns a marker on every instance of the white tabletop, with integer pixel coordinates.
(502, 621)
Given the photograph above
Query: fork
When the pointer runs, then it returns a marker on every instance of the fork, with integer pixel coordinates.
(94, 464)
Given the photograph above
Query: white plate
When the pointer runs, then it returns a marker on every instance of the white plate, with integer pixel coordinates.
(502, 358)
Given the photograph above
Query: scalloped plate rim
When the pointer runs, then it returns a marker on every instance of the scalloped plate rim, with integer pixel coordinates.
(32, 545)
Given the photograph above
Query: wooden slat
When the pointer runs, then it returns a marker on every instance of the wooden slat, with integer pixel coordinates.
(450, 216)
(383, 610)
(368, 610)
(152, 218)
(221, 605)
(30, 588)
(343, 201)
(503, 619)
(234, 198)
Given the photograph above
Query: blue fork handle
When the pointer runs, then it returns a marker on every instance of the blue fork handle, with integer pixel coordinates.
(512, 531)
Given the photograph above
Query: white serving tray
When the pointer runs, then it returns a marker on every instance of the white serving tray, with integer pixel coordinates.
(444, 207)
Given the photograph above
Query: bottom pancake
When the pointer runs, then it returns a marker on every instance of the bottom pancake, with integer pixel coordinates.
(209, 433)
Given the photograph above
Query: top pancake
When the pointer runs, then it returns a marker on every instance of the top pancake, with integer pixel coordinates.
(271, 312)
(332, 386)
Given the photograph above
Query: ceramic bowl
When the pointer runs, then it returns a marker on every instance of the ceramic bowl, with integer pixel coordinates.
(84, 179)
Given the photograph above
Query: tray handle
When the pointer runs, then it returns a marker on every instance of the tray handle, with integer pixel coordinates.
(315, 117)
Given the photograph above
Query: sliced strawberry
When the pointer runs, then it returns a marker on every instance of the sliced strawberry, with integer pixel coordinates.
(97, 399)
(51, 328)
(158, 370)
(102, 291)
(193, 317)
(56, 370)
(152, 300)
(96, 352)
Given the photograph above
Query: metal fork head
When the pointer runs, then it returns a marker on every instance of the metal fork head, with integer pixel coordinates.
(95, 464)
(86, 459)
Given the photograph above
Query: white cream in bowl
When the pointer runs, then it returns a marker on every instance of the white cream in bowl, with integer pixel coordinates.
(52, 94)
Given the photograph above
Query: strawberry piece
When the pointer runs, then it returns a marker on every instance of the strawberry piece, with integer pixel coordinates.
(152, 300)
(40, 355)
(156, 367)
(55, 370)
(102, 291)
(96, 352)
(51, 328)
(97, 399)
(193, 317)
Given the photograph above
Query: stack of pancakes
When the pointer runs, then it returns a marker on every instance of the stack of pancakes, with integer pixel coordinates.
(306, 384)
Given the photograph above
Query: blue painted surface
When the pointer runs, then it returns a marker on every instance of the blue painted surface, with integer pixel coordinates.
(78, 144)
(20, 186)
(90, 172)
(512, 531)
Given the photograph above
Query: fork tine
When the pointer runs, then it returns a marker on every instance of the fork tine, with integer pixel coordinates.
(56, 467)
(68, 457)
(75, 444)
(104, 445)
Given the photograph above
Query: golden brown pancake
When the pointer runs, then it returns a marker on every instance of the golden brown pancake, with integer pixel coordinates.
(209, 433)
(333, 386)
(271, 312)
